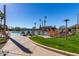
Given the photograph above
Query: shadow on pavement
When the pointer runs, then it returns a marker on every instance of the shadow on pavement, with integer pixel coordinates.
(24, 49)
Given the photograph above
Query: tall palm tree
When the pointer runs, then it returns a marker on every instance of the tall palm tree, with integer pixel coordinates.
(77, 23)
(45, 17)
(1, 17)
(44, 23)
(77, 19)
(40, 22)
(66, 20)
(34, 28)
(35, 24)
(5, 20)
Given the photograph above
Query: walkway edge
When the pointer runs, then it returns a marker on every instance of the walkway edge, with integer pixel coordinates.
(55, 50)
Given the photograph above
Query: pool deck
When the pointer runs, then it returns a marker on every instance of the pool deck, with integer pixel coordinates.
(22, 46)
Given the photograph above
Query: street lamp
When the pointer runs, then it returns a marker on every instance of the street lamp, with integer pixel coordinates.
(66, 20)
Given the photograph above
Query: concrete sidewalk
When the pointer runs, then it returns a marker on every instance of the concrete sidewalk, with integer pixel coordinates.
(22, 46)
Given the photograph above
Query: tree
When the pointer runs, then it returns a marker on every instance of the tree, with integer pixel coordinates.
(45, 17)
(1, 18)
(33, 30)
(40, 21)
(77, 25)
(35, 24)
(1, 15)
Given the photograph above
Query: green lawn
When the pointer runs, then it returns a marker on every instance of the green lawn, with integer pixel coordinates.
(2, 42)
(71, 45)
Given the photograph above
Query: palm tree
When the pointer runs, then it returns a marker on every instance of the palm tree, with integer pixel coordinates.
(40, 26)
(5, 20)
(44, 23)
(35, 24)
(1, 17)
(34, 28)
(77, 23)
(77, 19)
(45, 17)
(66, 20)
(40, 22)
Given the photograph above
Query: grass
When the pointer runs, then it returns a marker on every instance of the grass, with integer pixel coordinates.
(2, 42)
(71, 45)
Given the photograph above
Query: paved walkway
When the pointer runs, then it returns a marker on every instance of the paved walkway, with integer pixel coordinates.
(22, 46)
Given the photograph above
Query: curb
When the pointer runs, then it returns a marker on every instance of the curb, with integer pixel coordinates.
(55, 50)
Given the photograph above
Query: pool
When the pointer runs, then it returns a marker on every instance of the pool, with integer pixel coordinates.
(15, 33)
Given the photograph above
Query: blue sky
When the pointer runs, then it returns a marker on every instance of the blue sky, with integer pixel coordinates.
(24, 15)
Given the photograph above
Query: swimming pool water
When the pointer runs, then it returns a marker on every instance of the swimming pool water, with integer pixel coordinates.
(15, 33)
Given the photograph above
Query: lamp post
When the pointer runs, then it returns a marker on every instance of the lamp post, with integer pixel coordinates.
(66, 20)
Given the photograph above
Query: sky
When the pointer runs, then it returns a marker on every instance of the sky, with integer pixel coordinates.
(26, 14)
